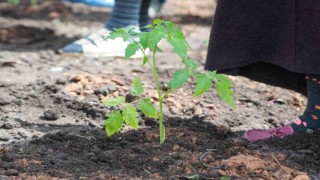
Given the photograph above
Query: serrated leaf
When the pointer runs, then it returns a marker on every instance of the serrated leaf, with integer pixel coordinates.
(149, 26)
(143, 39)
(204, 83)
(133, 31)
(177, 40)
(224, 89)
(191, 64)
(156, 35)
(145, 60)
(148, 109)
(180, 77)
(136, 87)
(119, 33)
(174, 30)
(113, 123)
(131, 49)
(130, 117)
(157, 22)
(179, 46)
(213, 74)
(114, 101)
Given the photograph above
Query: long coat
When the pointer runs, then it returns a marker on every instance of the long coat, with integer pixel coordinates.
(272, 41)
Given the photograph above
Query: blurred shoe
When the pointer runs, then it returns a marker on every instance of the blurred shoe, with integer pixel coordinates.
(155, 7)
(95, 45)
(264, 134)
(101, 3)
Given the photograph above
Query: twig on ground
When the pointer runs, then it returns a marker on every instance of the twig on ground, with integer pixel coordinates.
(205, 154)
(276, 160)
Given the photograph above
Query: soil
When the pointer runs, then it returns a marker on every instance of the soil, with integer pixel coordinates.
(51, 112)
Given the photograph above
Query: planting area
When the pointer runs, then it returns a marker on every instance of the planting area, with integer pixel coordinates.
(51, 111)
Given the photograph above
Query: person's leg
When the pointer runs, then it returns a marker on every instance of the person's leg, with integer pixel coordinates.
(126, 14)
(308, 122)
(144, 18)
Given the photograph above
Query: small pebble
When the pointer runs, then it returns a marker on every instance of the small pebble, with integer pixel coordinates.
(7, 125)
(7, 157)
(12, 172)
(111, 87)
(35, 136)
(51, 114)
(4, 101)
(23, 134)
(4, 138)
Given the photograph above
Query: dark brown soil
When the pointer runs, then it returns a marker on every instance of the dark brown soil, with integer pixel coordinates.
(51, 115)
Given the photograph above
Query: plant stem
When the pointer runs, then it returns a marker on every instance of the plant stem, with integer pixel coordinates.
(156, 77)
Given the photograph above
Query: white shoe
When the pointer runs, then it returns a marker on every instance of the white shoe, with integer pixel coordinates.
(96, 45)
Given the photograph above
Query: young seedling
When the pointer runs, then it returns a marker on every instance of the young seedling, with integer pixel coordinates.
(148, 41)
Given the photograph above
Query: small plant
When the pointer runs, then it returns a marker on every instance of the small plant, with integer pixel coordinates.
(145, 41)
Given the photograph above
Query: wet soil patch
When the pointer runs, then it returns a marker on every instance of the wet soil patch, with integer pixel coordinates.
(24, 35)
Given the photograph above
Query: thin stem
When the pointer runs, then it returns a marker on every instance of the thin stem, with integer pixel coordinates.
(153, 66)
(156, 77)
(165, 94)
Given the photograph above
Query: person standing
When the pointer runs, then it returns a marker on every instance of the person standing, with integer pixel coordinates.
(274, 42)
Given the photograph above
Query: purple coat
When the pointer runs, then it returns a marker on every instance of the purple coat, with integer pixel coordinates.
(272, 41)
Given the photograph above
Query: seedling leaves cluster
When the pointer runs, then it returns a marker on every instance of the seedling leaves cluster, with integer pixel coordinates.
(148, 42)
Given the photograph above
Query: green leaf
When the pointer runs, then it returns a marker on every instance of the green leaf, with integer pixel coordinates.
(145, 60)
(156, 35)
(179, 46)
(180, 77)
(224, 89)
(119, 33)
(193, 177)
(213, 74)
(143, 39)
(225, 178)
(136, 87)
(157, 22)
(148, 109)
(204, 83)
(149, 26)
(133, 31)
(132, 49)
(114, 101)
(113, 123)
(191, 64)
(177, 39)
(130, 115)
(174, 30)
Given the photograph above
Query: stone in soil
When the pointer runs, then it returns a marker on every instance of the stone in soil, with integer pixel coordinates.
(12, 172)
(51, 114)
(4, 137)
(7, 125)
(103, 90)
(7, 157)
(4, 100)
